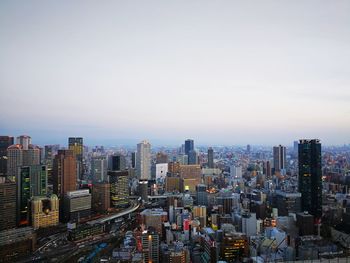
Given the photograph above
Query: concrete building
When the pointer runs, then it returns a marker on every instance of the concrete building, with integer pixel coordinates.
(5, 142)
(279, 159)
(45, 211)
(76, 145)
(288, 202)
(101, 197)
(16, 243)
(99, 169)
(64, 173)
(77, 205)
(173, 184)
(154, 218)
(7, 204)
(161, 172)
(143, 160)
(150, 247)
(19, 155)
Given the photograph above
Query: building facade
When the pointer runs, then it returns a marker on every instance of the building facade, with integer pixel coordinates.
(310, 176)
(45, 211)
(143, 160)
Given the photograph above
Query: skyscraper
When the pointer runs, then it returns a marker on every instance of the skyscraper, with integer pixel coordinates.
(119, 185)
(143, 160)
(310, 176)
(189, 146)
(5, 142)
(279, 158)
(210, 158)
(99, 169)
(24, 140)
(117, 162)
(192, 157)
(31, 181)
(7, 204)
(21, 155)
(76, 145)
(64, 173)
(150, 247)
(133, 159)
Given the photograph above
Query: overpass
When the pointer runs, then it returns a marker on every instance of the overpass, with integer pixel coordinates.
(134, 206)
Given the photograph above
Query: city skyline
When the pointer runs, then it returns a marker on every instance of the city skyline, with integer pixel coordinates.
(224, 73)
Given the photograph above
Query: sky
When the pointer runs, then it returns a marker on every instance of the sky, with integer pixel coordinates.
(220, 72)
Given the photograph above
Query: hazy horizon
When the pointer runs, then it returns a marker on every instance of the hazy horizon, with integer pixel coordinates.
(223, 72)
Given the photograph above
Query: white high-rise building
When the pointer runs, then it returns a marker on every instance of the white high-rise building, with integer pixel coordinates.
(143, 160)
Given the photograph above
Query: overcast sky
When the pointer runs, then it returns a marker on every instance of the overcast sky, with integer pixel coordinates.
(220, 72)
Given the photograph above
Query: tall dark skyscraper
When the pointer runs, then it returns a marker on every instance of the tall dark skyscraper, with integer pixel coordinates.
(192, 157)
(310, 176)
(210, 158)
(133, 159)
(5, 142)
(117, 162)
(189, 146)
(7, 204)
(77, 146)
(279, 158)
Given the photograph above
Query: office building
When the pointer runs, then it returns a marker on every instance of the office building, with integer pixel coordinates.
(190, 171)
(7, 204)
(210, 158)
(201, 194)
(45, 211)
(154, 218)
(161, 158)
(99, 169)
(305, 223)
(143, 160)
(173, 184)
(5, 142)
(77, 205)
(64, 173)
(189, 146)
(209, 253)
(119, 183)
(19, 155)
(310, 177)
(101, 197)
(192, 157)
(117, 162)
(16, 243)
(24, 140)
(173, 168)
(76, 145)
(133, 159)
(150, 247)
(234, 247)
(161, 171)
(288, 202)
(279, 159)
(143, 190)
(200, 212)
(49, 153)
(31, 181)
